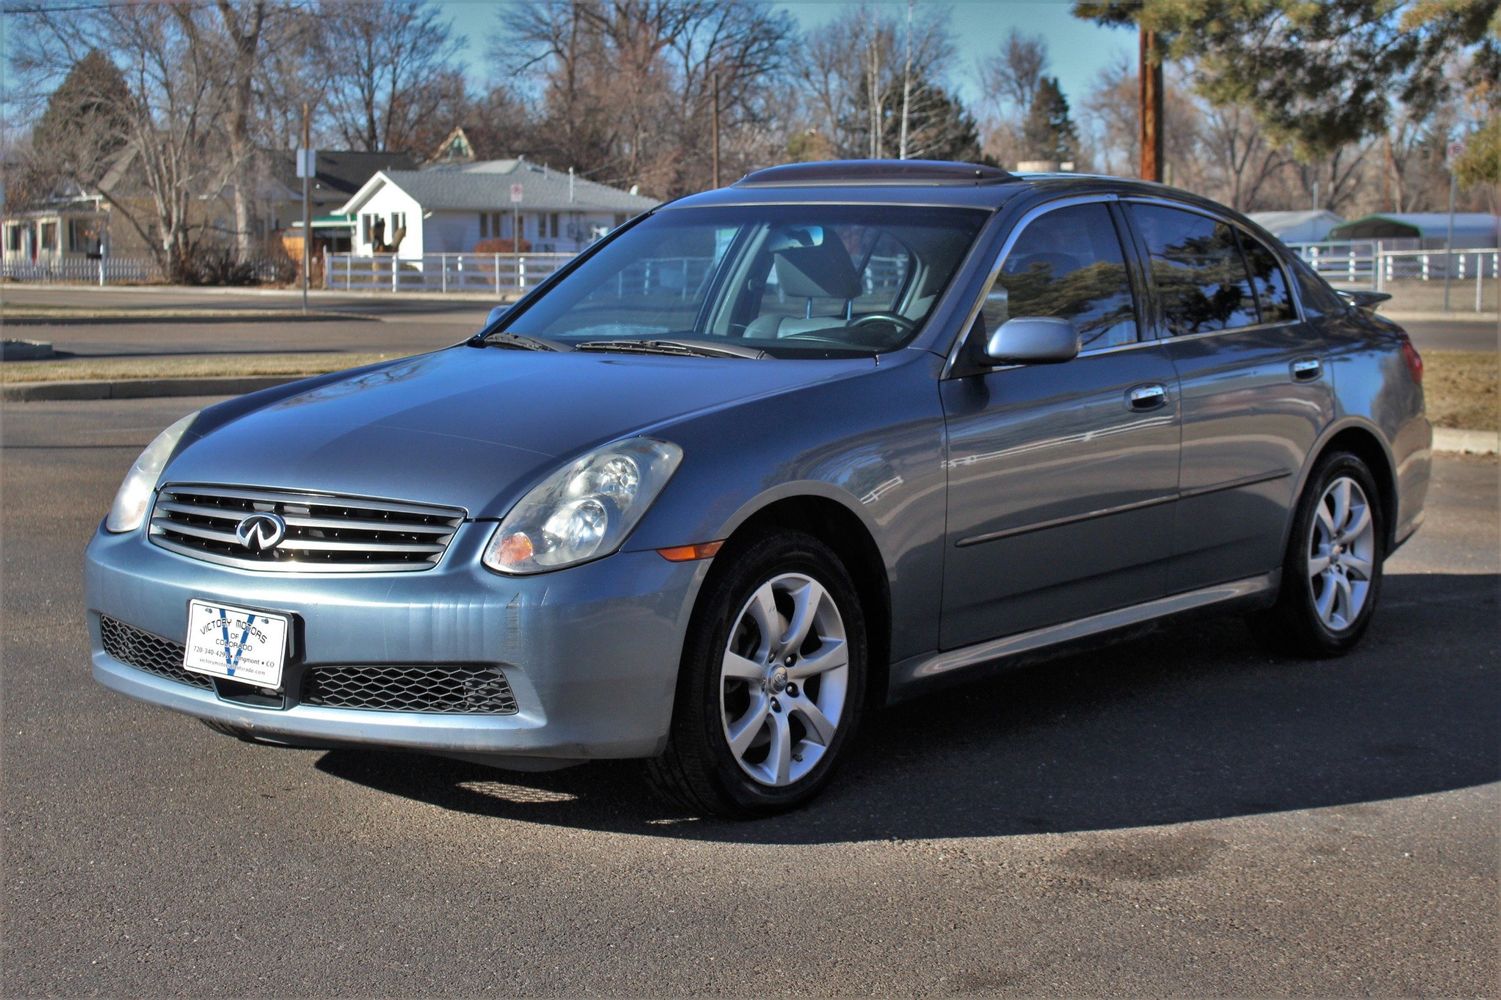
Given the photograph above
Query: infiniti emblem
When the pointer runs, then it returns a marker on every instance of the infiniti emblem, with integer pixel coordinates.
(261, 531)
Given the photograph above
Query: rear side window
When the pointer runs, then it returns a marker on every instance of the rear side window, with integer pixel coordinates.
(1267, 281)
(1068, 263)
(1197, 269)
(1318, 298)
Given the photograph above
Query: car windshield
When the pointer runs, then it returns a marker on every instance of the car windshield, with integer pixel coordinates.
(793, 281)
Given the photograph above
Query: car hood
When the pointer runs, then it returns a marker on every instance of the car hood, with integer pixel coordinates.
(470, 427)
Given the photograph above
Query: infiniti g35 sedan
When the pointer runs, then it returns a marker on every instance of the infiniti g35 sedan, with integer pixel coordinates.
(765, 459)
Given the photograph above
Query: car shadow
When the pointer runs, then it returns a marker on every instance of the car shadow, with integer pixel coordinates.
(1191, 722)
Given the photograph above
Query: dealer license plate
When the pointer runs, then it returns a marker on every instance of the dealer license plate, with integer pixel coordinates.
(236, 643)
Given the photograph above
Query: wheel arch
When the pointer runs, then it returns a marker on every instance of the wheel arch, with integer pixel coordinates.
(835, 523)
(1365, 441)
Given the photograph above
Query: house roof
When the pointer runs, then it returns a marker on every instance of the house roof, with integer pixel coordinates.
(1305, 226)
(340, 172)
(1468, 226)
(486, 186)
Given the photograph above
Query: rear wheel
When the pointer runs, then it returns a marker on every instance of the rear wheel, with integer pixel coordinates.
(772, 681)
(1331, 577)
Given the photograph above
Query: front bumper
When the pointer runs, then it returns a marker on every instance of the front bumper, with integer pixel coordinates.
(591, 653)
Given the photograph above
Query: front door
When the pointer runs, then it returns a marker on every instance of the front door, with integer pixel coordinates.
(1062, 477)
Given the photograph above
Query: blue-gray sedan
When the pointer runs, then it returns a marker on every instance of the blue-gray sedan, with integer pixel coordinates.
(764, 459)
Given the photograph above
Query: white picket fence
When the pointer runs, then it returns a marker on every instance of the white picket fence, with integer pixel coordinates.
(1375, 263)
(503, 275)
(103, 271)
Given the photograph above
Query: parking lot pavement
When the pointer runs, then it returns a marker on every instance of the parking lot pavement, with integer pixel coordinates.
(1181, 814)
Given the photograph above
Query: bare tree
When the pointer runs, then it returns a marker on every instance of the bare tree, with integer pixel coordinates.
(1242, 155)
(1011, 75)
(176, 113)
(390, 67)
(855, 72)
(627, 85)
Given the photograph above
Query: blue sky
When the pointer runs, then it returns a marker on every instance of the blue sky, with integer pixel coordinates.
(1077, 49)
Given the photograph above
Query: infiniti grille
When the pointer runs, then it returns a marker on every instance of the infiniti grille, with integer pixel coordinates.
(324, 533)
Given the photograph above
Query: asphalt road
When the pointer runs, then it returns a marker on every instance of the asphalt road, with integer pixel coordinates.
(377, 323)
(1182, 814)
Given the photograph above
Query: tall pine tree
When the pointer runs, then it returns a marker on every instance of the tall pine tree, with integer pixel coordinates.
(1049, 133)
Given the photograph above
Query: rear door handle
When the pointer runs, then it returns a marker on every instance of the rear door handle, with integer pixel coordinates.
(1147, 397)
(1307, 369)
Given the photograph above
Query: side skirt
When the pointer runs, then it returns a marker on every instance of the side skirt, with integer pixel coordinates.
(919, 674)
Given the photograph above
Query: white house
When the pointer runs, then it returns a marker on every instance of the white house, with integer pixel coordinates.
(1308, 226)
(451, 207)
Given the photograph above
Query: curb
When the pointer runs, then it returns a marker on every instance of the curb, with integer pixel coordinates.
(1466, 442)
(1438, 316)
(144, 388)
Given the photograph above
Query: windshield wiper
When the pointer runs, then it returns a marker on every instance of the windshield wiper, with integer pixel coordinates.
(516, 342)
(681, 348)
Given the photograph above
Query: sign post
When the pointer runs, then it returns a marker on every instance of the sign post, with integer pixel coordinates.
(1456, 150)
(516, 194)
(307, 166)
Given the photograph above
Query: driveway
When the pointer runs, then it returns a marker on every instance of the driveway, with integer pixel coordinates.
(1181, 814)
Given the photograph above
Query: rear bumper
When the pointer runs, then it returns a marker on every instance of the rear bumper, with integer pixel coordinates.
(591, 653)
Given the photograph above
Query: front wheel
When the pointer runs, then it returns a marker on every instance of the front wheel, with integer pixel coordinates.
(772, 681)
(1331, 577)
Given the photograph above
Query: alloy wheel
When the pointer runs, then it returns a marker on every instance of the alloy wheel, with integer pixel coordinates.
(1341, 553)
(783, 679)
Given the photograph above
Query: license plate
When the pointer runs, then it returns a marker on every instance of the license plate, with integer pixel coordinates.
(236, 643)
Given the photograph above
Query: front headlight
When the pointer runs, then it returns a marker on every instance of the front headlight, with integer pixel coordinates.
(134, 495)
(585, 510)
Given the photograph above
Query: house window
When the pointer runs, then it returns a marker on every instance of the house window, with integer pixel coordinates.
(552, 225)
(484, 225)
(13, 238)
(84, 237)
(49, 236)
(365, 221)
(398, 221)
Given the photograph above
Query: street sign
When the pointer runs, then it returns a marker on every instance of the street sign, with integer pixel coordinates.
(307, 163)
(516, 194)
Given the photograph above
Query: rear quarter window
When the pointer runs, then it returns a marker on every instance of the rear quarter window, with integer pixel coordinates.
(1267, 281)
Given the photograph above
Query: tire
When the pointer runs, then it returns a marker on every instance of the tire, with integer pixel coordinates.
(758, 728)
(1331, 574)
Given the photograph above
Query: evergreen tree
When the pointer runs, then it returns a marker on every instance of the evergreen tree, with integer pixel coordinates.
(87, 121)
(1049, 133)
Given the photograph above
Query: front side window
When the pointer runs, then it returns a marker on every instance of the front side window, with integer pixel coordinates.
(1069, 264)
(790, 280)
(1197, 269)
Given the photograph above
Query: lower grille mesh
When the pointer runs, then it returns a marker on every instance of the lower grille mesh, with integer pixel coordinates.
(432, 688)
(470, 689)
(148, 652)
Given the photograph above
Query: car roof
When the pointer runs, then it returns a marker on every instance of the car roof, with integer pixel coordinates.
(922, 183)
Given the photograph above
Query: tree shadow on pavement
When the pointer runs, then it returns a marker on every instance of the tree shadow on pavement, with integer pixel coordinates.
(1192, 722)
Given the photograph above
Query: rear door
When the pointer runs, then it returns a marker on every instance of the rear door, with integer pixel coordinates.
(1256, 389)
(1062, 477)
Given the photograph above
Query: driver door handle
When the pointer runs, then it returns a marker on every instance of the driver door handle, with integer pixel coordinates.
(1147, 397)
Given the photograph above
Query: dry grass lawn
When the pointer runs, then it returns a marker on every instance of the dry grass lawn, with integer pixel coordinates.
(1461, 389)
(195, 366)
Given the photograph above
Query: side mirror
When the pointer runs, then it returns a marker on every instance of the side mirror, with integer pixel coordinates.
(494, 315)
(1033, 340)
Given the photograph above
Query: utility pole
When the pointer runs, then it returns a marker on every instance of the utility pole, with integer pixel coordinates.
(906, 86)
(714, 117)
(307, 168)
(1149, 105)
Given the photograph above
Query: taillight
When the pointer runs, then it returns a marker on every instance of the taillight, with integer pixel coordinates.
(1413, 358)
